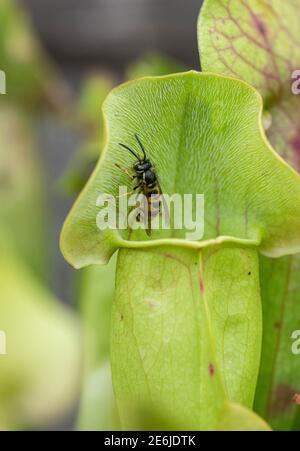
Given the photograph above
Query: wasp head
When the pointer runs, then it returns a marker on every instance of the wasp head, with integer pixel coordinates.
(142, 166)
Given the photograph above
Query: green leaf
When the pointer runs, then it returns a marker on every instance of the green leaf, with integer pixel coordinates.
(237, 418)
(205, 136)
(187, 338)
(278, 381)
(259, 43)
(161, 353)
(233, 298)
(219, 149)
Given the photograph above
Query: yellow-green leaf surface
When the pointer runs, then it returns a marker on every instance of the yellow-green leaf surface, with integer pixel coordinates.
(258, 41)
(204, 134)
(232, 293)
(186, 334)
(237, 418)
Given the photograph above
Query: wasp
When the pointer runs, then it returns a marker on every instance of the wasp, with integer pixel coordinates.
(147, 183)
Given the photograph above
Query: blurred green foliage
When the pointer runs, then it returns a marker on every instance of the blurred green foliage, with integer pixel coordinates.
(39, 375)
(21, 188)
(28, 71)
(153, 64)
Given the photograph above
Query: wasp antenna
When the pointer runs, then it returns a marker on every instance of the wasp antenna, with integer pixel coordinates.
(130, 150)
(141, 145)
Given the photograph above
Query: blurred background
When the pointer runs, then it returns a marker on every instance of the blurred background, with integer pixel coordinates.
(61, 58)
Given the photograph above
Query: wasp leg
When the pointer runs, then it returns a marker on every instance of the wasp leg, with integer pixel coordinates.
(125, 171)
